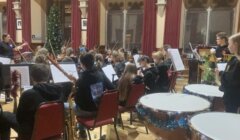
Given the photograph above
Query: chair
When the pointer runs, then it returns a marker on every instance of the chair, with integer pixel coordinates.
(137, 91)
(49, 121)
(173, 77)
(107, 113)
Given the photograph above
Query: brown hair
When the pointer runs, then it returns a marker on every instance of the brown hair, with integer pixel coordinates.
(223, 35)
(125, 81)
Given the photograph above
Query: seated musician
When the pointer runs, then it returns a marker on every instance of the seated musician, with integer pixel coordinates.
(230, 81)
(128, 78)
(69, 57)
(90, 87)
(30, 100)
(162, 79)
(118, 63)
(148, 73)
(222, 45)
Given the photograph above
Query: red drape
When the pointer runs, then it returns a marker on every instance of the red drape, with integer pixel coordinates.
(11, 20)
(76, 25)
(172, 23)
(26, 22)
(149, 27)
(93, 24)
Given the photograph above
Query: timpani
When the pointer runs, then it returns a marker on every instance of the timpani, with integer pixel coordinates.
(166, 114)
(209, 92)
(215, 126)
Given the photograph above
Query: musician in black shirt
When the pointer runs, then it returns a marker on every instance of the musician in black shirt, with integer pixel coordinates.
(222, 45)
(6, 47)
(23, 121)
(230, 80)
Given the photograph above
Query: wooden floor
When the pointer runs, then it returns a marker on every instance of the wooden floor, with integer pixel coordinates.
(131, 132)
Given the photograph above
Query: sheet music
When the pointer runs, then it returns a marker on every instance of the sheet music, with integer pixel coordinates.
(136, 57)
(221, 66)
(109, 72)
(59, 77)
(5, 60)
(176, 59)
(25, 75)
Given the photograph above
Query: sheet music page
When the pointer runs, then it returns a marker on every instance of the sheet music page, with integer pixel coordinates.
(5, 60)
(176, 59)
(25, 74)
(59, 77)
(136, 57)
(109, 72)
(221, 66)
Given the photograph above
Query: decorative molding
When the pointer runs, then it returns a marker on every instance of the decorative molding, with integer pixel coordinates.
(83, 5)
(17, 9)
(135, 5)
(115, 6)
(210, 3)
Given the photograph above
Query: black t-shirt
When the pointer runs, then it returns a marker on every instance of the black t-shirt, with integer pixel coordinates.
(6, 50)
(90, 87)
(221, 50)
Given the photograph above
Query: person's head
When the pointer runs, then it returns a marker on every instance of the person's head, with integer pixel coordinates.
(87, 61)
(144, 61)
(115, 56)
(40, 73)
(158, 57)
(40, 59)
(234, 44)
(130, 69)
(221, 38)
(69, 51)
(99, 58)
(6, 38)
(42, 51)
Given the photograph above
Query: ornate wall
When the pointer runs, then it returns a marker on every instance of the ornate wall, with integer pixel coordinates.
(209, 3)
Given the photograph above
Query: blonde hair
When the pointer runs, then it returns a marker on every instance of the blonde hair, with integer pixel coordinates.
(158, 55)
(236, 40)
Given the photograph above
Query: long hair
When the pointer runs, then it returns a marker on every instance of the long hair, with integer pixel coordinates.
(124, 85)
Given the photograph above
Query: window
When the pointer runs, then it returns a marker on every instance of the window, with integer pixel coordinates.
(124, 24)
(202, 25)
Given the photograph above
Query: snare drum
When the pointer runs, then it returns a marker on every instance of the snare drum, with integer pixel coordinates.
(166, 114)
(215, 126)
(209, 92)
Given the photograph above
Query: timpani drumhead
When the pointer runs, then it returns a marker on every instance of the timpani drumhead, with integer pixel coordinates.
(205, 90)
(217, 126)
(174, 102)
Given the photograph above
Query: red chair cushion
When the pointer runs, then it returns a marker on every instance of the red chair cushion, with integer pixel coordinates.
(89, 122)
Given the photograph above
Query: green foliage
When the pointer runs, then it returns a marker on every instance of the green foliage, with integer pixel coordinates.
(209, 72)
(54, 30)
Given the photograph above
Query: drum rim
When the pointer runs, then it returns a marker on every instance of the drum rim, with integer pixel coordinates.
(192, 128)
(178, 112)
(194, 92)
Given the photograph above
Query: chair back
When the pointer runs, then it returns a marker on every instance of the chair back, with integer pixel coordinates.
(49, 121)
(137, 91)
(108, 107)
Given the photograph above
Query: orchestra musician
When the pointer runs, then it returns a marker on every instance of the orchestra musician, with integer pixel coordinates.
(90, 86)
(7, 46)
(42, 91)
(230, 81)
(222, 45)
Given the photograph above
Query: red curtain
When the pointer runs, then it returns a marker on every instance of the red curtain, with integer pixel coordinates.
(11, 20)
(76, 25)
(149, 27)
(93, 24)
(26, 22)
(172, 23)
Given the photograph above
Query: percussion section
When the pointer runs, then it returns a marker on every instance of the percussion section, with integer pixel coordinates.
(209, 92)
(167, 114)
(215, 125)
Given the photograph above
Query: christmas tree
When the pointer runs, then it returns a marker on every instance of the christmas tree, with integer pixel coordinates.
(54, 30)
